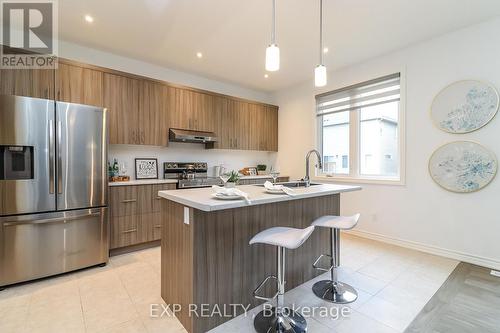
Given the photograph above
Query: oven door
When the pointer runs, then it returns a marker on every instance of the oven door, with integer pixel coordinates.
(27, 155)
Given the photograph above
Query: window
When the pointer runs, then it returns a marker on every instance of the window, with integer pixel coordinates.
(360, 130)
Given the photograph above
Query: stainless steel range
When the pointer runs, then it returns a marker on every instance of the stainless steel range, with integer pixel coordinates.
(189, 175)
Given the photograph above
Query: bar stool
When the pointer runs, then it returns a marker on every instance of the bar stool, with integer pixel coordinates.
(333, 290)
(281, 319)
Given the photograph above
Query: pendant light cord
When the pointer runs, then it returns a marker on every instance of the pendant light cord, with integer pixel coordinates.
(321, 32)
(273, 30)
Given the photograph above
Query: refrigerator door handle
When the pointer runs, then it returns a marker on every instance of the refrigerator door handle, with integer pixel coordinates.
(59, 158)
(51, 157)
(53, 220)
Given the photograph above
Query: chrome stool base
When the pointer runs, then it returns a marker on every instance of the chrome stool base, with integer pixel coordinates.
(339, 293)
(288, 322)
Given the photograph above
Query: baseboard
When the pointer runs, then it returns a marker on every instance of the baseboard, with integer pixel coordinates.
(133, 248)
(471, 259)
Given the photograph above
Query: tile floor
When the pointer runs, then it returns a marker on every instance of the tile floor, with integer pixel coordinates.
(393, 284)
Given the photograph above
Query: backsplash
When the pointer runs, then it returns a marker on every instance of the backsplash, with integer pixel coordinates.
(185, 152)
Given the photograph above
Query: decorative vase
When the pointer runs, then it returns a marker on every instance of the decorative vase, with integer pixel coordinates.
(230, 184)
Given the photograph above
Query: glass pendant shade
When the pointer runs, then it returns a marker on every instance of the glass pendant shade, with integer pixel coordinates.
(272, 58)
(320, 76)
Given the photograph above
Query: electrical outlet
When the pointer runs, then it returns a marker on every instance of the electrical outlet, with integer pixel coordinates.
(495, 273)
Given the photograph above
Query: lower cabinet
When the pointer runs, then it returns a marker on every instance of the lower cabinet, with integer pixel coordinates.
(135, 214)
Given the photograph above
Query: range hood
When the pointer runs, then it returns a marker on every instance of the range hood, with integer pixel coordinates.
(182, 135)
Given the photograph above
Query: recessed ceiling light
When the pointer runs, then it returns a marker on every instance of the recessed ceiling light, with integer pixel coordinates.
(325, 50)
(266, 75)
(89, 18)
(199, 55)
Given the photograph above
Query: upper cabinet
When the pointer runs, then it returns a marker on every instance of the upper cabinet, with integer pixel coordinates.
(153, 112)
(76, 84)
(121, 98)
(37, 83)
(191, 110)
(141, 110)
(245, 126)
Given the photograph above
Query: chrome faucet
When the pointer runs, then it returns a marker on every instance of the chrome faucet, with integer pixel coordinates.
(307, 179)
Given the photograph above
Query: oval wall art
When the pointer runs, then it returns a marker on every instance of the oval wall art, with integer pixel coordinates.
(465, 106)
(463, 166)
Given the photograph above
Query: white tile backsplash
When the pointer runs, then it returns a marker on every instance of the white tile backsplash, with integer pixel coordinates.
(189, 152)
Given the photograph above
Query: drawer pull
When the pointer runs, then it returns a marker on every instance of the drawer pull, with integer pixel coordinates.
(158, 226)
(158, 198)
(129, 231)
(129, 200)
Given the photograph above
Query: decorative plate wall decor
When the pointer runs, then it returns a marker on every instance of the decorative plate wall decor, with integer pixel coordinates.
(146, 168)
(463, 166)
(465, 106)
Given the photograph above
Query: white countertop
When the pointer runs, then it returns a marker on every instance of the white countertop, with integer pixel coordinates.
(144, 182)
(201, 198)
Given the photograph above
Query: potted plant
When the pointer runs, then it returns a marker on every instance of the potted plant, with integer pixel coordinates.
(234, 177)
(261, 169)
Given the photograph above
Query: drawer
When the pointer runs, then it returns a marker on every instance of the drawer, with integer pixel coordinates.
(154, 194)
(151, 225)
(123, 200)
(125, 231)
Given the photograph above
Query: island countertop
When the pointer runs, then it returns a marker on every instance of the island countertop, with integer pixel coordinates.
(202, 199)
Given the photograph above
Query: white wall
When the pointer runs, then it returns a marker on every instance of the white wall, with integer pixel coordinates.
(175, 152)
(420, 212)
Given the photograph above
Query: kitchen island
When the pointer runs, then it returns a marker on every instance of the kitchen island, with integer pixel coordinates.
(207, 262)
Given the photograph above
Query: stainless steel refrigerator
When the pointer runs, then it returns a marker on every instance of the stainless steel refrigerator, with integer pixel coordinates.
(53, 188)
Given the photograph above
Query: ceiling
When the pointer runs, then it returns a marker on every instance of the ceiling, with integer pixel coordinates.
(233, 34)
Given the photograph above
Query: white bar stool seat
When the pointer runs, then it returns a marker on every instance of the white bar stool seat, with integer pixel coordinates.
(280, 319)
(289, 238)
(333, 290)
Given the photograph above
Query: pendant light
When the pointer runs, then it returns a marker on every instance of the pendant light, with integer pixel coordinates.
(320, 70)
(273, 51)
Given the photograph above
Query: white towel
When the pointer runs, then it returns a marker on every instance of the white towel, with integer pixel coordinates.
(231, 191)
(270, 186)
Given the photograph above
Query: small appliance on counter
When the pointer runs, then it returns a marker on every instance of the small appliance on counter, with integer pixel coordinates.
(189, 175)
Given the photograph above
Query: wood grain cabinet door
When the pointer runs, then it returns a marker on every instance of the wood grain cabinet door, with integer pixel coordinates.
(124, 200)
(75, 84)
(125, 231)
(272, 112)
(223, 123)
(153, 128)
(38, 83)
(121, 97)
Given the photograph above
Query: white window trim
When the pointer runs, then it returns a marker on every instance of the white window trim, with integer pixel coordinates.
(354, 176)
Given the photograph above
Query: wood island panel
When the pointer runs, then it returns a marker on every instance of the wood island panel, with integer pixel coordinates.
(210, 261)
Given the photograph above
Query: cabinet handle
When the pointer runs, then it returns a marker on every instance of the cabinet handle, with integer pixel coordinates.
(158, 198)
(129, 231)
(158, 226)
(129, 200)
(143, 137)
(46, 93)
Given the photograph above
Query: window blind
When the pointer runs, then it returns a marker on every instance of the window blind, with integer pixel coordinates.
(374, 92)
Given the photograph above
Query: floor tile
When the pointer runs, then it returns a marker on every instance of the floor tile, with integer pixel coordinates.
(392, 283)
(395, 316)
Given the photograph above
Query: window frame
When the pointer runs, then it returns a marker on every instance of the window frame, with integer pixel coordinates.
(355, 175)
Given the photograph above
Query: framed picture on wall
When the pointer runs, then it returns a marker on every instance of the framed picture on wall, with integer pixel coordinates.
(146, 168)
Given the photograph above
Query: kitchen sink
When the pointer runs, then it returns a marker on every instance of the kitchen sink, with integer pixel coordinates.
(293, 184)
